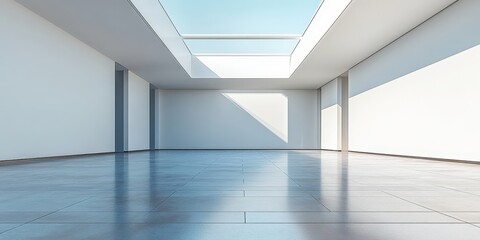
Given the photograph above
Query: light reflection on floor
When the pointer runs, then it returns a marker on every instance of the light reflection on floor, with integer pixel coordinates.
(276, 195)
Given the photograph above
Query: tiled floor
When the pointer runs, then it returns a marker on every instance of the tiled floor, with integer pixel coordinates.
(248, 195)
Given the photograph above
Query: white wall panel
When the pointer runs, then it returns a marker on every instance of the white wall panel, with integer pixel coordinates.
(210, 119)
(56, 93)
(138, 113)
(419, 96)
(330, 116)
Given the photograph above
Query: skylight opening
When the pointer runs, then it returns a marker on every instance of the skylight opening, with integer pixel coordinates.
(247, 27)
(243, 38)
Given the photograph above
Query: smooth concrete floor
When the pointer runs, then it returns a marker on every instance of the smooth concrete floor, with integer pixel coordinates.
(210, 195)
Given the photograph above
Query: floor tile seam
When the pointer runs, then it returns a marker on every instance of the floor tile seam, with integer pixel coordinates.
(29, 222)
(240, 222)
(14, 227)
(193, 177)
(468, 222)
(439, 212)
(318, 200)
(246, 210)
(162, 201)
(267, 211)
(453, 221)
(246, 223)
(442, 174)
(455, 190)
(462, 191)
(243, 176)
(289, 177)
(354, 222)
(145, 212)
(356, 211)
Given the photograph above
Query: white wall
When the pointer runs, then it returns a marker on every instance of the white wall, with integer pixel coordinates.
(138, 113)
(420, 95)
(211, 119)
(330, 116)
(56, 93)
(158, 119)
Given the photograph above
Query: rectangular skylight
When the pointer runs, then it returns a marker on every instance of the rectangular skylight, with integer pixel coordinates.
(222, 38)
(248, 17)
(241, 46)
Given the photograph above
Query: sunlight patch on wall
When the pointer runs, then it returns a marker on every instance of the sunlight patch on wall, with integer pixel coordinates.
(430, 112)
(270, 109)
(330, 125)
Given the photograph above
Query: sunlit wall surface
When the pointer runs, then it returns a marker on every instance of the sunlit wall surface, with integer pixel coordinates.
(211, 119)
(330, 116)
(420, 95)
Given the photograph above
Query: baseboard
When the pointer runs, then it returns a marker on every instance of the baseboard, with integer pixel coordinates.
(52, 158)
(423, 158)
(330, 150)
(49, 158)
(58, 157)
(236, 149)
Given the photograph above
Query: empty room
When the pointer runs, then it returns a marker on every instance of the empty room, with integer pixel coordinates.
(240, 119)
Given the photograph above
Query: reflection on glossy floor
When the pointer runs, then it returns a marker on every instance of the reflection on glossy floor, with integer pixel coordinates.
(209, 195)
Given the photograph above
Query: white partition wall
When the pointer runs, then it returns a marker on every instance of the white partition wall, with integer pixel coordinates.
(334, 115)
(420, 95)
(158, 129)
(331, 116)
(138, 113)
(210, 119)
(56, 93)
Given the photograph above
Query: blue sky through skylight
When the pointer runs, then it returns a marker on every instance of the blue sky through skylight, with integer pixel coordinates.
(241, 16)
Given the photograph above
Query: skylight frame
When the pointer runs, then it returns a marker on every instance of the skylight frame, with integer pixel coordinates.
(248, 41)
(233, 67)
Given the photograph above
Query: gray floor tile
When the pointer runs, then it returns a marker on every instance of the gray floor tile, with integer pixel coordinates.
(33, 204)
(116, 204)
(369, 204)
(210, 194)
(319, 194)
(241, 204)
(68, 231)
(246, 231)
(429, 194)
(142, 217)
(5, 227)
(193, 217)
(348, 217)
(117, 217)
(20, 217)
(278, 194)
(445, 204)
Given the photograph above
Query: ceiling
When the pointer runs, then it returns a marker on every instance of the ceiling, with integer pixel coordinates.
(117, 30)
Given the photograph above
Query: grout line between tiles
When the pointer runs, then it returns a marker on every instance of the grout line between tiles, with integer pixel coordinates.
(433, 210)
(31, 221)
